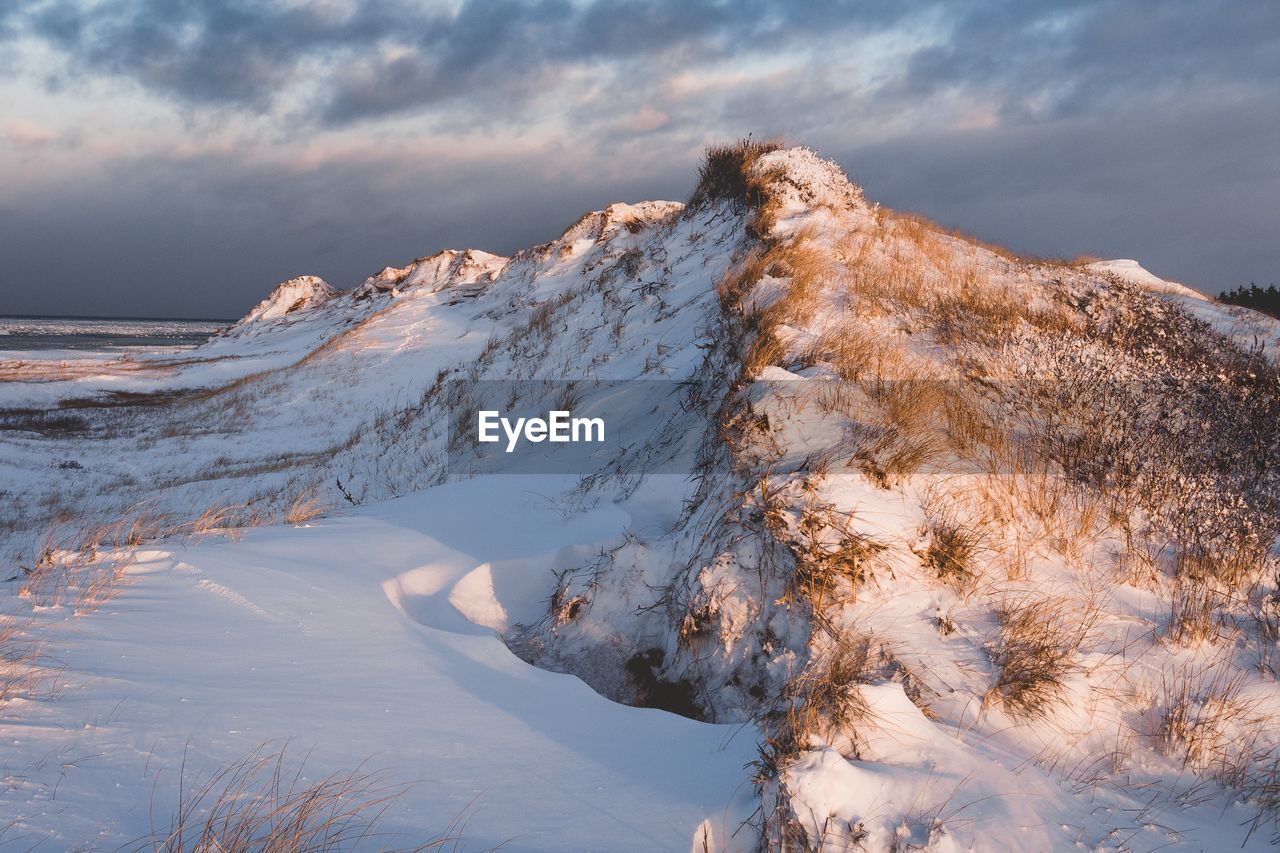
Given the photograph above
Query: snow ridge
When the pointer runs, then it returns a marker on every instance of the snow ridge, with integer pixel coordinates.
(975, 545)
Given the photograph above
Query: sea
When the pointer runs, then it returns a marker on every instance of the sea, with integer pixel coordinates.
(103, 334)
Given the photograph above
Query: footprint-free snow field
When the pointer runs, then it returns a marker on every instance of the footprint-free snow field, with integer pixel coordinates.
(349, 639)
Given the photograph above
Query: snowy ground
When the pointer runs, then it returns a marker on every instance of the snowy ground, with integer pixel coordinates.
(348, 636)
(370, 636)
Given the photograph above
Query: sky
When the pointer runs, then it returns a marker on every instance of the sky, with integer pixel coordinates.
(177, 158)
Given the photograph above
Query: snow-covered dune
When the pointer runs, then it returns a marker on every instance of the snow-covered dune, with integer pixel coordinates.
(960, 549)
(340, 636)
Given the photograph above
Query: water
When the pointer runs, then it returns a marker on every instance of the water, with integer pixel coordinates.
(103, 334)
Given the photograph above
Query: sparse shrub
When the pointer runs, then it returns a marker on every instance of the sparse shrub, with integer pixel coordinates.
(726, 174)
(255, 803)
(1198, 710)
(21, 667)
(952, 548)
(306, 506)
(1033, 652)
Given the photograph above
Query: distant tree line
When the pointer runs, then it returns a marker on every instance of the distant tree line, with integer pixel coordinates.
(1265, 299)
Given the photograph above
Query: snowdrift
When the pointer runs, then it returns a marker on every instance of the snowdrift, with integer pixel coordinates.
(975, 551)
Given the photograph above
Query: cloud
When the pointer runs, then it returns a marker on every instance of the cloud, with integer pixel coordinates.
(379, 58)
(1044, 59)
(1190, 193)
(526, 63)
(25, 133)
(209, 233)
(335, 137)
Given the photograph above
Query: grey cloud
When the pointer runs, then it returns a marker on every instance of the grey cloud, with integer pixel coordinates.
(1047, 59)
(1032, 58)
(210, 236)
(1137, 129)
(1189, 193)
(234, 52)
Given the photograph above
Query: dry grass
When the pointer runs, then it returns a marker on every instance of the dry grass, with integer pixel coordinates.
(305, 507)
(765, 350)
(830, 556)
(1206, 584)
(22, 669)
(1034, 651)
(255, 804)
(84, 566)
(983, 315)
(953, 543)
(951, 550)
(1194, 613)
(221, 521)
(928, 235)
(1206, 720)
(728, 174)
(854, 354)
(824, 701)
(1201, 715)
(739, 278)
(806, 269)
(1264, 613)
(85, 570)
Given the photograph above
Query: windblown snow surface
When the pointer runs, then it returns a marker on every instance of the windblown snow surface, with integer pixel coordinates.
(930, 547)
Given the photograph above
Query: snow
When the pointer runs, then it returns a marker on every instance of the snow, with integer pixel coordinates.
(350, 636)
(385, 633)
(296, 294)
(1248, 328)
(1131, 270)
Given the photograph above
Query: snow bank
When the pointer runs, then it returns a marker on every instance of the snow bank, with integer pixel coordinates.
(289, 633)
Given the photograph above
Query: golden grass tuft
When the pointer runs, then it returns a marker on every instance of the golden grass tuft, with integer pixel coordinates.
(305, 507)
(22, 669)
(1198, 711)
(728, 174)
(830, 556)
(1034, 651)
(254, 803)
(825, 701)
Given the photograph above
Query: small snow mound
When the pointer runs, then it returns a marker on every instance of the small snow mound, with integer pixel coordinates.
(844, 802)
(433, 273)
(296, 294)
(388, 278)
(589, 226)
(635, 217)
(901, 734)
(473, 596)
(1132, 271)
(453, 267)
(599, 225)
(806, 178)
